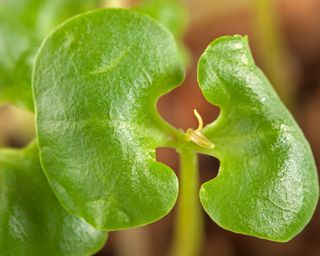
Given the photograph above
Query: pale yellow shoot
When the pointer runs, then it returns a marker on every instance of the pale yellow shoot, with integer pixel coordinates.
(196, 136)
(200, 122)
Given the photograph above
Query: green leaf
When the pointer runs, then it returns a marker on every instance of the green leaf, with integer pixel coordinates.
(32, 222)
(96, 81)
(267, 183)
(23, 25)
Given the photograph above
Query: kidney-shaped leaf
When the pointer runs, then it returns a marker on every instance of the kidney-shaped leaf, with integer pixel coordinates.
(267, 183)
(95, 82)
(32, 222)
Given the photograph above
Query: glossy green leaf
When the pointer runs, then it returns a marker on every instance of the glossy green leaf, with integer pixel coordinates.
(96, 81)
(32, 222)
(267, 183)
(23, 25)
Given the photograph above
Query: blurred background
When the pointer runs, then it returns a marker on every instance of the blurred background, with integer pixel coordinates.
(284, 36)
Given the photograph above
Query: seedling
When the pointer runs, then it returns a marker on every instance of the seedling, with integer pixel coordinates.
(96, 82)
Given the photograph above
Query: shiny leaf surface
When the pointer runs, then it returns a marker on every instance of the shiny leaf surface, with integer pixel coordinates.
(267, 183)
(32, 222)
(96, 82)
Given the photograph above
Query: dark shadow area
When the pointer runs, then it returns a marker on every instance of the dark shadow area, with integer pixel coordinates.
(208, 167)
(169, 157)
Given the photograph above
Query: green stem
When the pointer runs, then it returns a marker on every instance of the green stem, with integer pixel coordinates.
(188, 226)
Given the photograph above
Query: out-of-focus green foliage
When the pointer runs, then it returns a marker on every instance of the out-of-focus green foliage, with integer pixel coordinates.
(32, 221)
(23, 25)
(173, 15)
